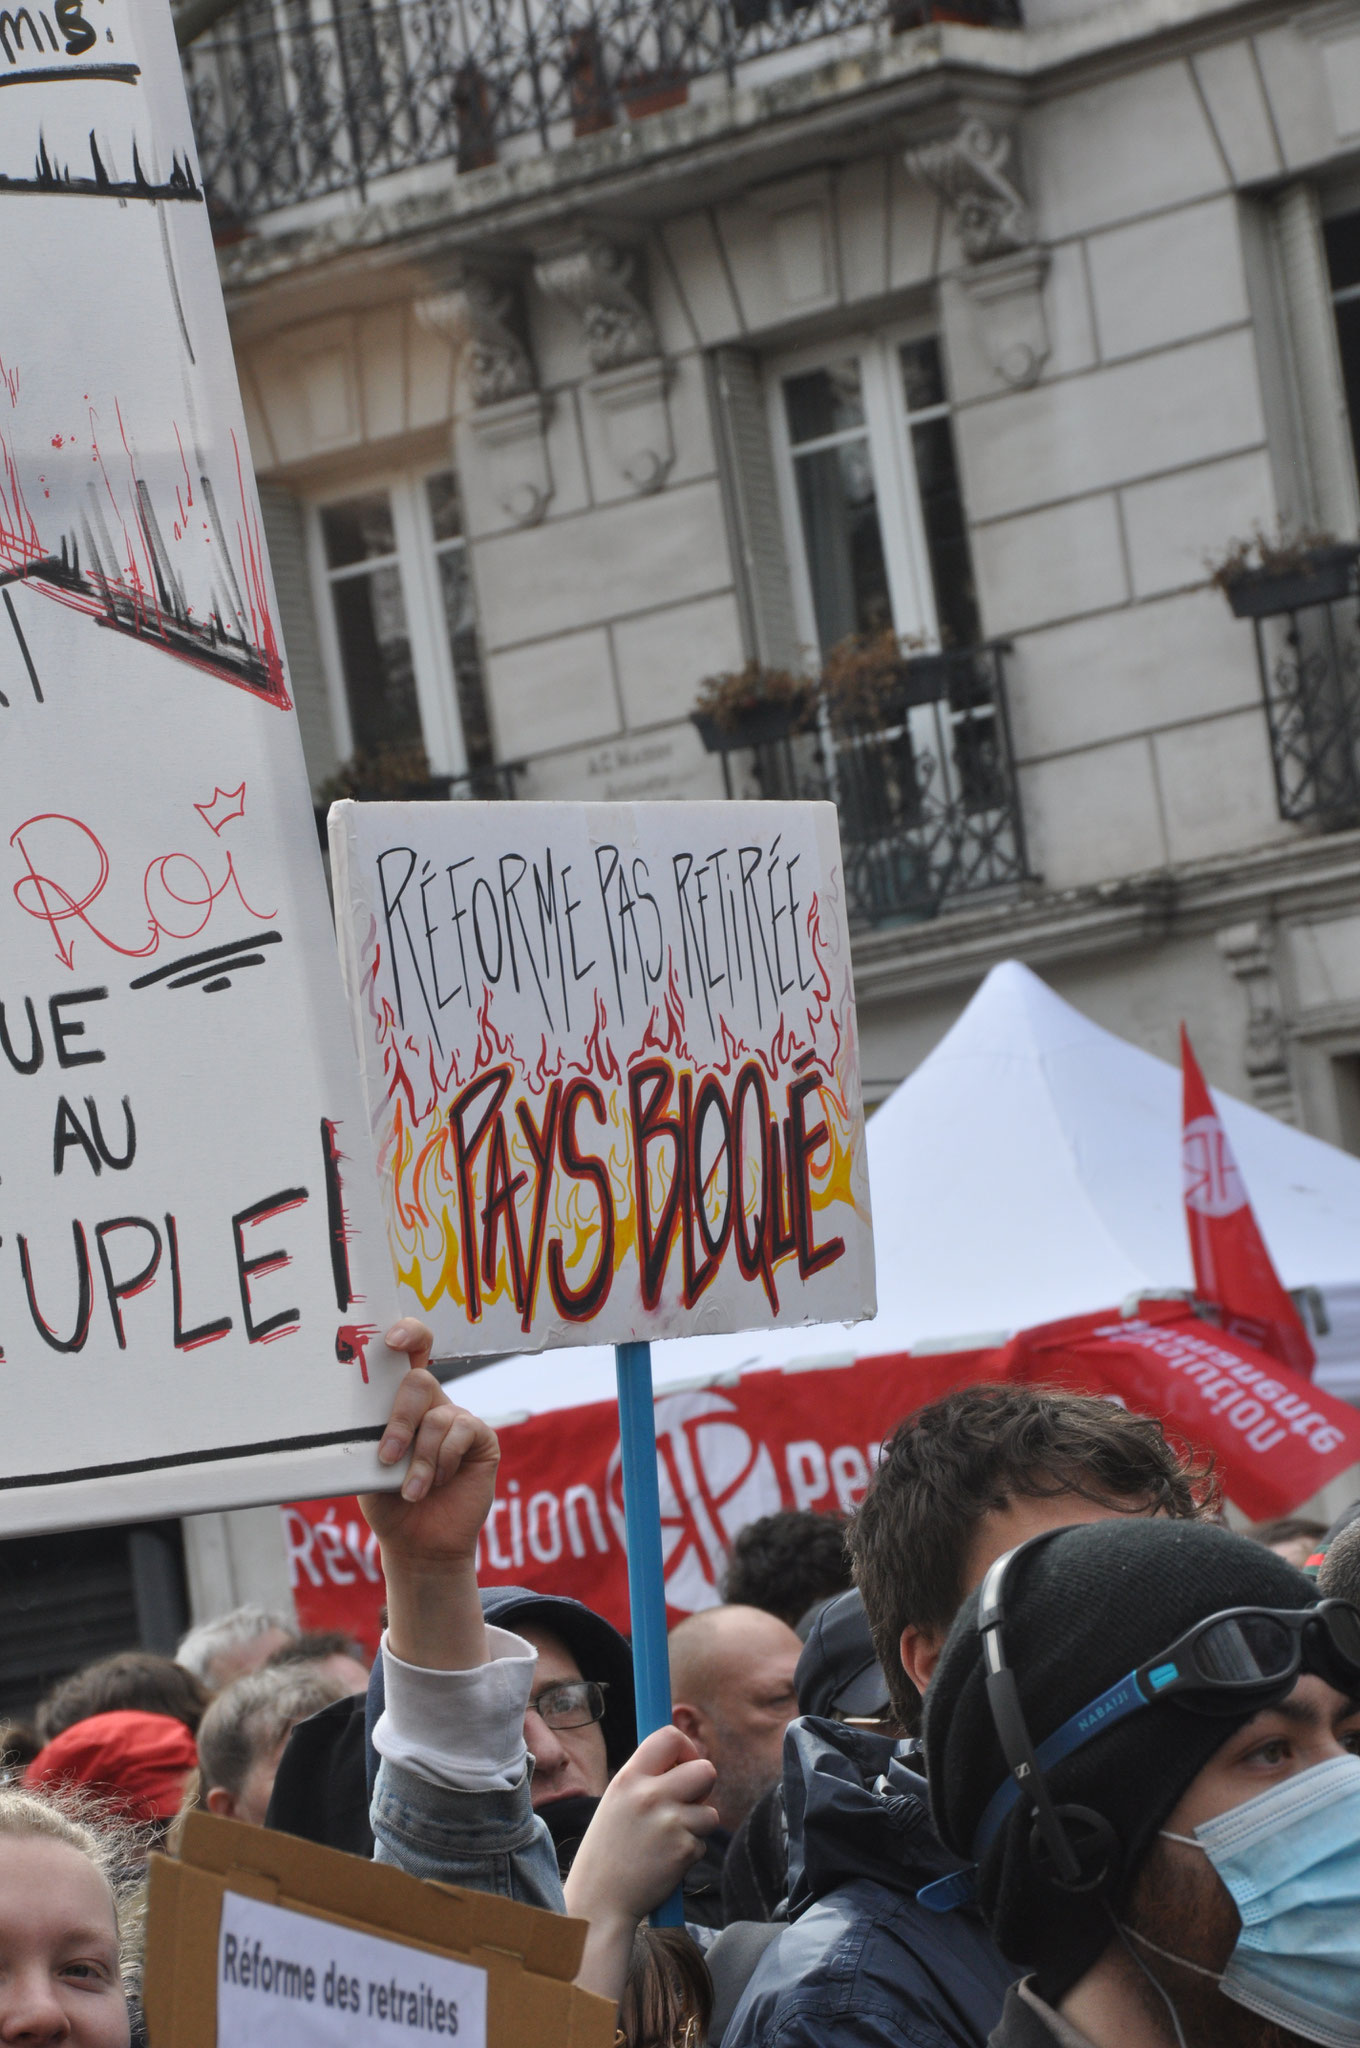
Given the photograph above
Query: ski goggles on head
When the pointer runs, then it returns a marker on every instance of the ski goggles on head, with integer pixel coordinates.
(1219, 1663)
(1242, 1657)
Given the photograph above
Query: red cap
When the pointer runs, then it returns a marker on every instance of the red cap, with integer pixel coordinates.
(134, 1762)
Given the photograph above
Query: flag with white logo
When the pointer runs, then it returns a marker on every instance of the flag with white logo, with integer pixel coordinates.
(1232, 1266)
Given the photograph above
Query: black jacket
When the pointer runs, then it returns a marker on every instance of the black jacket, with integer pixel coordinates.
(861, 1964)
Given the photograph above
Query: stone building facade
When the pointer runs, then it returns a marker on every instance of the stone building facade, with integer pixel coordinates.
(590, 350)
(587, 357)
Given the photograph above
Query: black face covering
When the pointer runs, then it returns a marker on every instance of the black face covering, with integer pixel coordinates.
(566, 1821)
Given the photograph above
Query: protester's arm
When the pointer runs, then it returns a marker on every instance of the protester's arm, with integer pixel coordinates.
(452, 1798)
(452, 1795)
(649, 1828)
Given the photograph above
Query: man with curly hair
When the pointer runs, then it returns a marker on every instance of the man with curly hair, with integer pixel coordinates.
(862, 1964)
(788, 1563)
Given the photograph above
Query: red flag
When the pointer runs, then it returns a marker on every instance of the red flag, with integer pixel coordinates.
(1232, 1266)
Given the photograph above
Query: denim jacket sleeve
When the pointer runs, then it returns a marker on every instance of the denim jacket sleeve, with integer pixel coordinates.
(488, 1841)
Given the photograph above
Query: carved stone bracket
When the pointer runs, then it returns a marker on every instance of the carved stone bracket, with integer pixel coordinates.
(513, 441)
(969, 173)
(1006, 269)
(637, 424)
(1008, 298)
(604, 287)
(499, 364)
(484, 319)
(598, 280)
(1248, 951)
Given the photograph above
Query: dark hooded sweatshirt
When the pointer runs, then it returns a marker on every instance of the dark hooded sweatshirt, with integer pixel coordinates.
(861, 1964)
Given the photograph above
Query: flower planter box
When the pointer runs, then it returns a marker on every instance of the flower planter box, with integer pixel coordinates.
(763, 725)
(1323, 577)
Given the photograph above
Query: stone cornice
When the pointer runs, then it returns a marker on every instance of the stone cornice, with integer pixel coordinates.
(1316, 875)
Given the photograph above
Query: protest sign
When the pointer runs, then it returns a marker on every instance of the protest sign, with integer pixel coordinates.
(612, 1066)
(257, 1939)
(286, 1980)
(185, 1191)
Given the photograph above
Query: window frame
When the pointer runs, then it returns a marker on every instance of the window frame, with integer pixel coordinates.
(887, 428)
(418, 575)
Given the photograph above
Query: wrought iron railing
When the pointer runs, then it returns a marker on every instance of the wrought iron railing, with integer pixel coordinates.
(925, 785)
(494, 781)
(1308, 654)
(293, 99)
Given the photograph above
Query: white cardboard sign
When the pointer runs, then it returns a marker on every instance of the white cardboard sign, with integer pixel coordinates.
(611, 1063)
(186, 1202)
(290, 1980)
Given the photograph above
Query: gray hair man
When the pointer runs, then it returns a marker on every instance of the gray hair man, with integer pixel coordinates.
(231, 1645)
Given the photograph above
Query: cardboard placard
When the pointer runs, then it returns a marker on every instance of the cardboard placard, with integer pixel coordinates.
(612, 1066)
(190, 1265)
(235, 1926)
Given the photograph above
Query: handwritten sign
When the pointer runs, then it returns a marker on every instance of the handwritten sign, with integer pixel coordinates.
(184, 1322)
(289, 1980)
(611, 1063)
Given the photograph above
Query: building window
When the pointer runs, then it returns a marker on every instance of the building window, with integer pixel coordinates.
(399, 624)
(1342, 237)
(873, 496)
(875, 512)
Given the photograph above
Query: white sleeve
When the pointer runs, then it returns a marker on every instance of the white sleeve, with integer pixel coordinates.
(463, 1729)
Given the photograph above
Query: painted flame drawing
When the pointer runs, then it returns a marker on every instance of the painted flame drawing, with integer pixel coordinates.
(526, 1179)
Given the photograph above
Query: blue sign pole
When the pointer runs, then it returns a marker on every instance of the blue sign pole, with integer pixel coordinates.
(646, 1582)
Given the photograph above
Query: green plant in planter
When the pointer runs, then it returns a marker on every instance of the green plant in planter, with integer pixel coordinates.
(863, 675)
(391, 772)
(752, 705)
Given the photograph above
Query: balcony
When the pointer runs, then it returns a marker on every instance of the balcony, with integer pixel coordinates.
(925, 787)
(296, 99)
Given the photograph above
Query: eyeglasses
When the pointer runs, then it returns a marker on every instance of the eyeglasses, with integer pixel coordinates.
(1241, 1656)
(573, 1704)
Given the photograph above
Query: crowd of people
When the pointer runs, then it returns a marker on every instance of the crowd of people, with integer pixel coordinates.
(1033, 1751)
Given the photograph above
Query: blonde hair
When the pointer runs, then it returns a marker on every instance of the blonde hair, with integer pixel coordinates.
(111, 1847)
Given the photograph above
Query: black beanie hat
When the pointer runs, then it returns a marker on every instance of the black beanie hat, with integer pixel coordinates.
(1081, 1610)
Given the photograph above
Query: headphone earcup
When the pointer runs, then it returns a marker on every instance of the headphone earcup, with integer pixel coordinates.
(1094, 1844)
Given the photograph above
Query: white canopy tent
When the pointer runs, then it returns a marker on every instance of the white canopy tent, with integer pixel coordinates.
(1029, 1169)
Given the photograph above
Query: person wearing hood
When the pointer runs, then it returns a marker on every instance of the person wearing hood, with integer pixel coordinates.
(859, 1961)
(579, 1727)
(462, 1694)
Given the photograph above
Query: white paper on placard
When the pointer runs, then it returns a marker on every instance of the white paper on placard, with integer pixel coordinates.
(289, 1980)
(191, 1262)
(612, 1066)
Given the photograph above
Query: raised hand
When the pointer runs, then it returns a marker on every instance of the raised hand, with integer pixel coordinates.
(428, 1530)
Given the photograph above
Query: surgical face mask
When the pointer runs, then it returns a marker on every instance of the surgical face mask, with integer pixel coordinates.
(1291, 1861)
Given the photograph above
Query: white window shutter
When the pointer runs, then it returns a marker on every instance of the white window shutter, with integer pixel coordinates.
(764, 589)
(286, 538)
(1334, 503)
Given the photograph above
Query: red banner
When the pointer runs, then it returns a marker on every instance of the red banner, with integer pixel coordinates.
(728, 1454)
(333, 1564)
